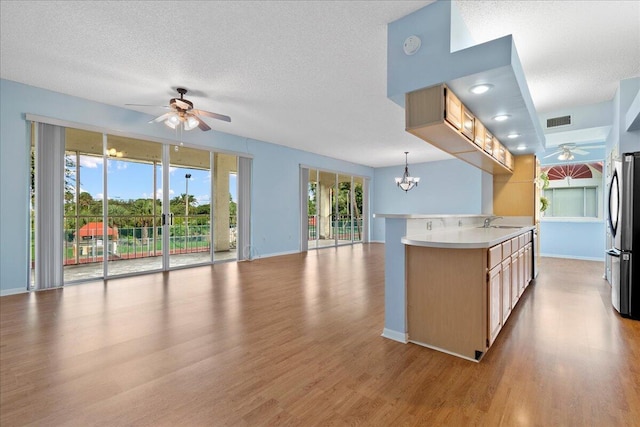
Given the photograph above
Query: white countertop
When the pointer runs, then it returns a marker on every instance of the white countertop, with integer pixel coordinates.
(428, 216)
(464, 238)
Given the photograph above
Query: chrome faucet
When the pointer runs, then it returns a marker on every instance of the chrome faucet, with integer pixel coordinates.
(489, 220)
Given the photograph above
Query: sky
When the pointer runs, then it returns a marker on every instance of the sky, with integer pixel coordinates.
(131, 180)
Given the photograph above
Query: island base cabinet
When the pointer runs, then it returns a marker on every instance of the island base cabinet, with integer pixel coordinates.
(447, 304)
(459, 299)
(495, 302)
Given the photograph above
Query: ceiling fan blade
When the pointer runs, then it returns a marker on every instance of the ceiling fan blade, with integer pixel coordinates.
(202, 125)
(552, 154)
(212, 115)
(161, 118)
(592, 147)
(579, 151)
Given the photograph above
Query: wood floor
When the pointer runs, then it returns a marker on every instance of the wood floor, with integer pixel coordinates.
(295, 340)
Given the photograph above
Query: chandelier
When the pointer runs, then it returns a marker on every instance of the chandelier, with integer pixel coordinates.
(407, 182)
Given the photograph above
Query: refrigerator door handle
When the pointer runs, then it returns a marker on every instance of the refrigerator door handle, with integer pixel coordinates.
(614, 253)
(615, 186)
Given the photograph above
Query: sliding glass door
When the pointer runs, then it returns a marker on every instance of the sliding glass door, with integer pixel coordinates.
(83, 242)
(189, 216)
(335, 209)
(132, 241)
(130, 206)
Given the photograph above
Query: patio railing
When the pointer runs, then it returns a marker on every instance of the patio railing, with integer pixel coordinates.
(341, 227)
(137, 236)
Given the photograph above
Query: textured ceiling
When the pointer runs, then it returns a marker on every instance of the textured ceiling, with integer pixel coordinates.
(309, 75)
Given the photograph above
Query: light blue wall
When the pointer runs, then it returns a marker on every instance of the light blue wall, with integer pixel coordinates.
(578, 238)
(275, 195)
(627, 91)
(440, 28)
(446, 187)
(629, 141)
(567, 239)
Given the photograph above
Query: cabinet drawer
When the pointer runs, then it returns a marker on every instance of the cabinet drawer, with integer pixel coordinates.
(495, 256)
(506, 249)
(523, 240)
(515, 244)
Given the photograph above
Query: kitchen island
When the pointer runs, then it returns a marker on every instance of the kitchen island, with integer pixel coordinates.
(452, 288)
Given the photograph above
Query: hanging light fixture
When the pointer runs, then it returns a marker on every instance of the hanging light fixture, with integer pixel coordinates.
(566, 155)
(187, 121)
(407, 182)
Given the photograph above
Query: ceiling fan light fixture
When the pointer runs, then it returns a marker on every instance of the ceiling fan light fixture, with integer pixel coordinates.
(566, 155)
(191, 122)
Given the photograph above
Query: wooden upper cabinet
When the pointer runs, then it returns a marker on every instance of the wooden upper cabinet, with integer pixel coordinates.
(453, 112)
(488, 142)
(479, 134)
(468, 124)
(508, 159)
(436, 115)
(515, 194)
(498, 151)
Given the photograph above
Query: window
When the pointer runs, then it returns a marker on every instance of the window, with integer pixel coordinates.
(578, 202)
(575, 190)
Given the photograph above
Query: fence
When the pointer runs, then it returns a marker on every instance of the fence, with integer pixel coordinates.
(131, 237)
(340, 228)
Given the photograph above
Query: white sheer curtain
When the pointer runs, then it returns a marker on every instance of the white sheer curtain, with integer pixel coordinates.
(244, 209)
(49, 213)
(365, 210)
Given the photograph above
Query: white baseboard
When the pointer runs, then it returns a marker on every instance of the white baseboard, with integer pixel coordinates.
(445, 351)
(583, 258)
(275, 254)
(376, 241)
(12, 291)
(395, 335)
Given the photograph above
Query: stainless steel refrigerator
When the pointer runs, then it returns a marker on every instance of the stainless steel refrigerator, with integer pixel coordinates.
(624, 223)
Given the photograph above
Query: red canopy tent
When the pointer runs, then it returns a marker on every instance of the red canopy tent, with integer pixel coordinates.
(92, 230)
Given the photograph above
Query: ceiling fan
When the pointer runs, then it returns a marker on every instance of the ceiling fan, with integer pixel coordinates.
(567, 151)
(183, 114)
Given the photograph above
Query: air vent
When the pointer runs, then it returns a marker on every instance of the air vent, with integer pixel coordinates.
(558, 121)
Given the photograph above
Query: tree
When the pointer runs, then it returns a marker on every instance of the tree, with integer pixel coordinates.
(311, 199)
(177, 204)
(233, 212)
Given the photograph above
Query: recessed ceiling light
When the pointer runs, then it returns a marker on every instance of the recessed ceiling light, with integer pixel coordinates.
(521, 147)
(501, 117)
(480, 88)
(513, 135)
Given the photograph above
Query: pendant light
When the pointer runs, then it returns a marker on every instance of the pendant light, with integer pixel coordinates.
(407, 182)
